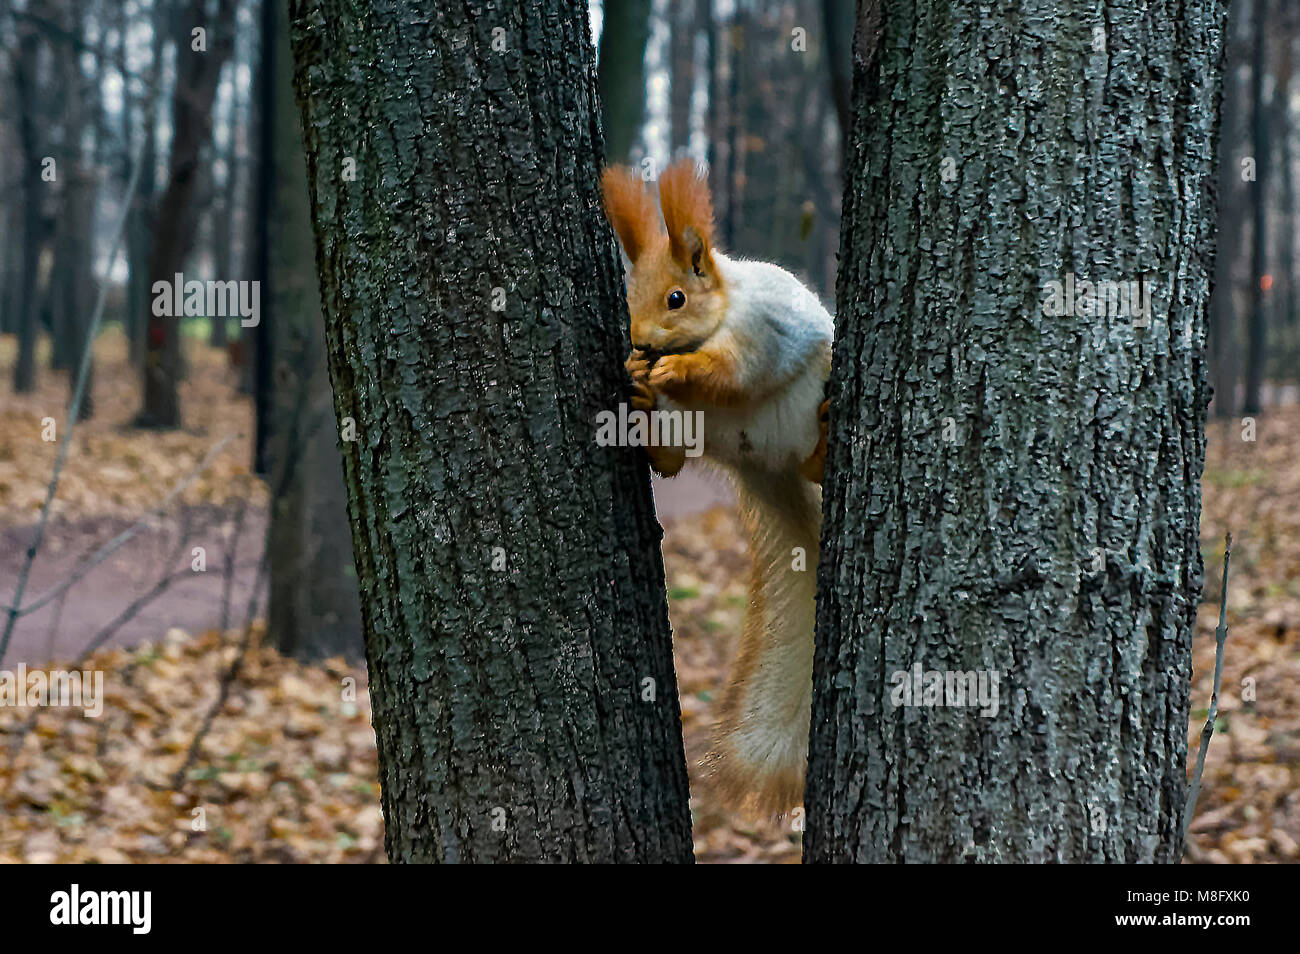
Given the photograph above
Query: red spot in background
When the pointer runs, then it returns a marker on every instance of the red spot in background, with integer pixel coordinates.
(1265, 282)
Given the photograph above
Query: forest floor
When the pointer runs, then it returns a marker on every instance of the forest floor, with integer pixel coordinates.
(286, 770)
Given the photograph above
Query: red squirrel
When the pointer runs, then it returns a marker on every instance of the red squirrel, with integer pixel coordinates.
(749, 346)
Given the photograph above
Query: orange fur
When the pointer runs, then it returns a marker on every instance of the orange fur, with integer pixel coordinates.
(777, 515)
(630, 209)
(741, 788)
(684, 198)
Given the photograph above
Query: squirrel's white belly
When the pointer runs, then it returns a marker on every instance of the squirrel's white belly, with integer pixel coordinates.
(779, 433)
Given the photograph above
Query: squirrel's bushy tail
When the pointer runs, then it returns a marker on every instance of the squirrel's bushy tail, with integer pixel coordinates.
(759, 757)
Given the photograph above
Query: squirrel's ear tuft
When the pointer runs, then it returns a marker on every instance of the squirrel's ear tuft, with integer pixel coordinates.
(688, 213)
(630, 209)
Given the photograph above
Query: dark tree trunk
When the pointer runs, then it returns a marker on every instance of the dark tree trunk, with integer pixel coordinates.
(139, 226)
(261, 381)
(25, 80)
(72, 279)
(732, 180)
(314, 610)
(681, 59)
(197, 74)
(1285, 310)
(252, 231)
(837, 25)
(1221, 331)
(220, 208)
(1255, 357)
(516, 626)
(622, 74)
(1009, 492)
(218, 333)
(713, 116)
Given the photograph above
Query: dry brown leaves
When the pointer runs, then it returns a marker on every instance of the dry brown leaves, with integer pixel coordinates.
(287, 773)
(1249, 807)
(111, 467)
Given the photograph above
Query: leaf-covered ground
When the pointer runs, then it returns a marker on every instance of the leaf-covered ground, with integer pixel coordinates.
(287, 771)
(113, 469)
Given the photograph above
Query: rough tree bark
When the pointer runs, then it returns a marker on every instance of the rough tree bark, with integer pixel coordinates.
(1011, 492)
(512, 590)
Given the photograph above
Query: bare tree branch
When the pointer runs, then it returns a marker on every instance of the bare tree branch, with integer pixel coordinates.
(1220, 637)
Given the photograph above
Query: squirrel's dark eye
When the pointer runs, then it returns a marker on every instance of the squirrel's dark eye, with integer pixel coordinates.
(676, 298)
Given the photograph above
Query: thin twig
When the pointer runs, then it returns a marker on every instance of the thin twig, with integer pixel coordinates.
(74, 409)
(1220, 636)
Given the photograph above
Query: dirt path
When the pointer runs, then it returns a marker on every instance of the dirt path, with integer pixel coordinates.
(192, 601)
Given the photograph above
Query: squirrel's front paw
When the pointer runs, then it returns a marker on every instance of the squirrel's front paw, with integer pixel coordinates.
(668, 374)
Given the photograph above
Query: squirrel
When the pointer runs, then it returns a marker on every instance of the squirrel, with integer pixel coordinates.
(747, 344)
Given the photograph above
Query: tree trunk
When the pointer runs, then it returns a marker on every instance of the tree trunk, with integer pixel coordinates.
(625, 31)
(139, 226)
(260, 380)
(1285, 310)
(314, 611)
(197, 73)
(681, 60)
(1221, 333)
(707, 18)
(1255, 356)
(733, 179)
(837, 24)
(25, 80)
(1009, 493)
(72, 280)
(521, 674)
